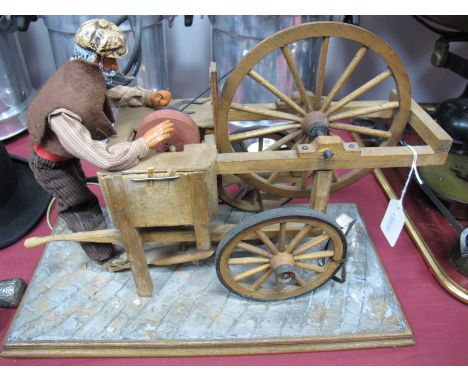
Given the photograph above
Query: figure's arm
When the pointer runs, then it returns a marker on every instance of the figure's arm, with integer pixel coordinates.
(136, 96)
(76, 140)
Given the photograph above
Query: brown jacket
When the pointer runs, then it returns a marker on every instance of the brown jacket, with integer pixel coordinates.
(79, 87)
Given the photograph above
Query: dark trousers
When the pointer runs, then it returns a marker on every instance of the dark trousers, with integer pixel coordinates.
(77, 205)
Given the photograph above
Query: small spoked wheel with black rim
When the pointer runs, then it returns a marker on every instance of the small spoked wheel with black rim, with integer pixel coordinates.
(280, 254)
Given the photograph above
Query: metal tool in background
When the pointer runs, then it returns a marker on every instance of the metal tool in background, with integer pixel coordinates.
(11, 292)
(16, 90)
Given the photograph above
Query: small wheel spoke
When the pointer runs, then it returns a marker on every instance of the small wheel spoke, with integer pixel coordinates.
(297, 239)
(282, 237)
(266, 112)
(361, 130)
(297, 77)
(251, 272)
(284, 140)
(269, 86)
(262, 279)
(364, 111)
(255, 250)
(310, 244)
(309, 267)
(262, 132)
(266, 240)
(314, 255)
(320, 80)
(248, 260)
(359, 91)
(344, 77)
(299, 280)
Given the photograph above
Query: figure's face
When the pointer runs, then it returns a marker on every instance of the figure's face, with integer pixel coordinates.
(108, 64)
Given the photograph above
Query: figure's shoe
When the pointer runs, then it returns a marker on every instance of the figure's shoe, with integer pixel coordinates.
(117, 263)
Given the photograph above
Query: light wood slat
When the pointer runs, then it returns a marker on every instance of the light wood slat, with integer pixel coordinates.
(361, 130)
(257, 284)
(311, 243)
(262, 132)
(314, 255)
(255, 250)
(320, 80)
(344, 77)
(266, 112)
(269, 86)
(309, 267)
(364, 111)
(266, 240)
(283, 140)
(251, 272)
(247, 260)
(359, 91)
(297, 77)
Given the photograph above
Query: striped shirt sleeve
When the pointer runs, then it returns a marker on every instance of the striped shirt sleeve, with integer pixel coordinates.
(129, 96)
(76, 140)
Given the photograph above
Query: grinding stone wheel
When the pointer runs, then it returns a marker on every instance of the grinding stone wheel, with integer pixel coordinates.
(185, 129)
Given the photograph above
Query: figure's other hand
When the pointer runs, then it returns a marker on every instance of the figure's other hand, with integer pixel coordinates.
(159, 133)
(160, 98)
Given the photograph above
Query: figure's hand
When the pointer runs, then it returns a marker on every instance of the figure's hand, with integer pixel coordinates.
(160, 98)
(158, 133)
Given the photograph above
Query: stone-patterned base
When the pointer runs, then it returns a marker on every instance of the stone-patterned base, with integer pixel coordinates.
(73, 308)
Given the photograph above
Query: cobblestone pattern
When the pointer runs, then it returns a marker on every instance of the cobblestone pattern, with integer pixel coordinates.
(71, 299)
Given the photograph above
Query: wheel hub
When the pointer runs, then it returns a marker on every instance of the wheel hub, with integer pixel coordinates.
(315, 124)
(282, 265)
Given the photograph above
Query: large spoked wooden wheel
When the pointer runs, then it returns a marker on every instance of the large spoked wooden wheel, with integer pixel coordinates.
(324, 113)
(280, 254)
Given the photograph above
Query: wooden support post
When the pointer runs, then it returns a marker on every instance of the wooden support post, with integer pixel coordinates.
(115, 190)
(215, 101)
(200, 210)
(321, 190)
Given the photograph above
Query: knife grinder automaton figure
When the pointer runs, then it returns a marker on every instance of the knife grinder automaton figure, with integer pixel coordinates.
(70, 117)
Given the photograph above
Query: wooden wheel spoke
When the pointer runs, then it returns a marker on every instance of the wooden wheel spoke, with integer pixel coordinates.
(266, 240)
(284, 140)
(335, 177)
(314, 255)
(359, 91)
(273, 177)
(273, 89)
(364, 111)
(251, 272)
(311, 243)
(253, 249)
(299, 280)
(309, 267)
(344, 77)
(282, 237)
(320, 80)
(261, 132)
(262, 279)
(247, 260)
(361, 130)
(297, 77)
(304, 178)
(297, 239)
(266, 112)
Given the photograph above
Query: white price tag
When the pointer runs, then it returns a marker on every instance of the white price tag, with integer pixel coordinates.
(393, 221)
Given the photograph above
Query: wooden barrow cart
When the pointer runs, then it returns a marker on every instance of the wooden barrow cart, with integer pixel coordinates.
(312, 150)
